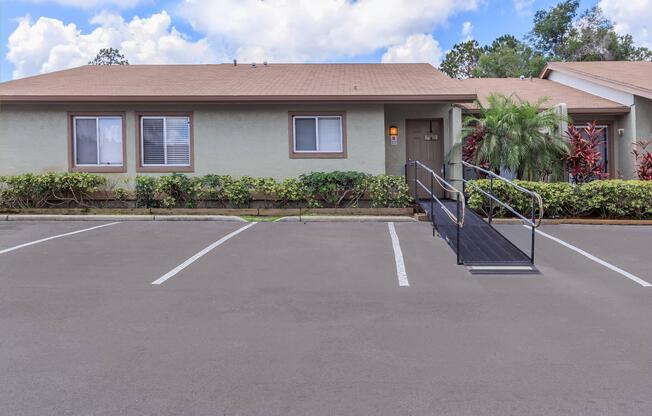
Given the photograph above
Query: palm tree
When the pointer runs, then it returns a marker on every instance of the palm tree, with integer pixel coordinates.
(516, 135)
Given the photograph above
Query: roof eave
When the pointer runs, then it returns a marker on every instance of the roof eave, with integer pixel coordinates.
(573, 110)
(599, 80)
(237, 99)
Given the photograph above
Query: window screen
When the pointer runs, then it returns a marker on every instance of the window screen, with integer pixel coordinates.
(305, 134)
(317, 134)
(98, 141)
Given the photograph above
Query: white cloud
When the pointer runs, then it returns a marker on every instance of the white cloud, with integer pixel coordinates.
(88, 4)
(632, 17)
(416, 48)
(49, 44)
(467, 31)
(523, 7)
(314, 30)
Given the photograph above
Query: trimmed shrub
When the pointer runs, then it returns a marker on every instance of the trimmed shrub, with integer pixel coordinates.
(49, 189)
(292, 190)
(146, 192)
(334, 188)
(179, 189)
(388, 191)
(605, 198)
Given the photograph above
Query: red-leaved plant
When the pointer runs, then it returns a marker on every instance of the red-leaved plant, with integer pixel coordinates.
(643, 160)
(471, 146)
(583, 161)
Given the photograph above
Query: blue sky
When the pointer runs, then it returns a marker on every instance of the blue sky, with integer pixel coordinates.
(189, 31)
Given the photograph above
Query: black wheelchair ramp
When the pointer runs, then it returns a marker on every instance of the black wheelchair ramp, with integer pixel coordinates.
(482, 248)
(477, 244)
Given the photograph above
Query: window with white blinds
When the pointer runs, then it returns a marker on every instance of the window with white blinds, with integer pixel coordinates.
(165, 141)
(97, 141)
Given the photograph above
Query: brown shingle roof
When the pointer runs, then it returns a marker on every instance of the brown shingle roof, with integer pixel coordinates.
(226, 82)
(633, 77)
(578, 102)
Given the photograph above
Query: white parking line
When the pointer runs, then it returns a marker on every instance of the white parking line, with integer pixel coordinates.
(595, 259)
(42, 240)
(196, 257)
(398, 257)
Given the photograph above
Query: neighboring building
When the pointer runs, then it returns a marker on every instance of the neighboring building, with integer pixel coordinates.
(579, 106)
(627, 83)
(278, 120)
(617, 95)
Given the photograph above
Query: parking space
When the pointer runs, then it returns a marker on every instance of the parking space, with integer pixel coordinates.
(295, 319)
(630, 247)
(15, 233)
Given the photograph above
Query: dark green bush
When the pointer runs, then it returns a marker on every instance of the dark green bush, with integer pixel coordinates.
(604, 198)
(334, 188)
(180, 189)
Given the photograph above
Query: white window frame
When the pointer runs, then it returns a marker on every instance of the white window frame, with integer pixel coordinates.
(165, 142)
(316, 118)
(97, 133)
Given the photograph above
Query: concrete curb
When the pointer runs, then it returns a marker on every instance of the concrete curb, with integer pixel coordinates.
(198, 218)
(346, 218)
(121, 218)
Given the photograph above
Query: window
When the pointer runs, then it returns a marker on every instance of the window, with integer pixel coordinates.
(165, 141)
(97, 143)
(320, 135)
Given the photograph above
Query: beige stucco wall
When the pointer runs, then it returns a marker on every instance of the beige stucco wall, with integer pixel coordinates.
(624, 143)
(234, 139)
(396, 114)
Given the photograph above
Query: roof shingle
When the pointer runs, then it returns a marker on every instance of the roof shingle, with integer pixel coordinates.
(633, 77)
(226, 82)
(531, 90)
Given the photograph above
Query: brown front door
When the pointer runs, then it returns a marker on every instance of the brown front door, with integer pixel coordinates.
(425, 143)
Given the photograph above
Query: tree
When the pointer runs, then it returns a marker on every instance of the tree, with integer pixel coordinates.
(552, 28)
(593, 38)
(559, 34)
(516, 136)
(109, 56)
(461, 61)
(508, 57)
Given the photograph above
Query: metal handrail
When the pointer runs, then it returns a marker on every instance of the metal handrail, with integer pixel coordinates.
(534, 222)
(457, 219)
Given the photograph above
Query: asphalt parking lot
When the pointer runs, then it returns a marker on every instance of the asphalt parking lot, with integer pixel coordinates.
(211, 318)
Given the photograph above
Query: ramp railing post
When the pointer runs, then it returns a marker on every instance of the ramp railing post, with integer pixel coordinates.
(459, 258)
(463, 181)
(491, 201)
(416, 192)
(533, 232)
(432, 203)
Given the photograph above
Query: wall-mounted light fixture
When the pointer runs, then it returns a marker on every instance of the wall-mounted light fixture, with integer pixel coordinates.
(393, 135)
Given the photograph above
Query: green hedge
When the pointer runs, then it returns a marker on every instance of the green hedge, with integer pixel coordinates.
(50, 189)
(602, 198)
(316, 189)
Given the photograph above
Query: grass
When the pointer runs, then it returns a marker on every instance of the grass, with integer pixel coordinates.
(256, 218)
